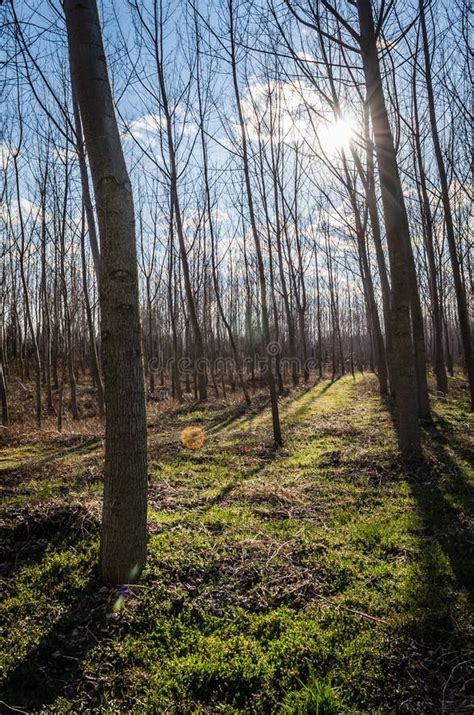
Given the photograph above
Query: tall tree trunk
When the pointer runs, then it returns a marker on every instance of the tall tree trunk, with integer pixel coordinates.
(28, 316)
(46, 313)
(439, 367)
(398, 236)
(281, 269)
(371, 200)
(461, 301)
(368, 284)
(215, 281)
(95, 366)
(198, 347)
(67, 313)
(60, 398)
(123, 539)
(3, 390)
(176, 378)
(318, 317)
(149, 311)
(253, 224)
(86, 192)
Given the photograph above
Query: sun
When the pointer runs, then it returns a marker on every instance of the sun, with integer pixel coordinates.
(338, 135)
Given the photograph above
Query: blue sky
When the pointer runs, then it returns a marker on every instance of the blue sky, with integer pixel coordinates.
(45, 33)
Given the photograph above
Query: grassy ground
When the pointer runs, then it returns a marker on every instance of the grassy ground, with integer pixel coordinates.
(324, 578)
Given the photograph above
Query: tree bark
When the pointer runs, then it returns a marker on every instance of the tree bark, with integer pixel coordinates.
(86, 193)
(277, 437)
(398, 235)
(3, 392)
(461, 301)
(428, 239)
(123, 538)
(371, 200)
(95, 366)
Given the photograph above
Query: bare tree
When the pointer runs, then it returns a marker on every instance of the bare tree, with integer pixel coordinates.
(123, 541)
(463, 316)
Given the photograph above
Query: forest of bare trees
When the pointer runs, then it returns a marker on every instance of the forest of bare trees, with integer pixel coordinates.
(287, 165)
(230, 201)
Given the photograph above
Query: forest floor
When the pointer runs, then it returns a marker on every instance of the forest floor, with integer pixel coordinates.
(324, 578)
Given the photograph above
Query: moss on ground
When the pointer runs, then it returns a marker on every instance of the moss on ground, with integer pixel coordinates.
(323, 578)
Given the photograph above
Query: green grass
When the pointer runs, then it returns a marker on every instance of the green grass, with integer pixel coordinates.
(324, 578)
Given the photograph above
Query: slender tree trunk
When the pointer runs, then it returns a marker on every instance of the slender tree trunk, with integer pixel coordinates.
(281, 269)
(215, 281)
(461, 301)
(439, 367)
(60, 398)
(176, 378)
(371, 200)
(86, 193)
(123, 540)
(198, 351)
(418, 339)
(95, 366)
(67, 313)
(277, 437)
(4, 392)
(151, 375)
(397, 229)
(368, 284)
(318, 318)
(29, 318)
(46, 313)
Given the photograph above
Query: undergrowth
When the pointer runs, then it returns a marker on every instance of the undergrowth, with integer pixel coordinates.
(322, 578)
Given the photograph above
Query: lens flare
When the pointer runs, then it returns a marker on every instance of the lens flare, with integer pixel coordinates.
(119, 602)
(193, 437)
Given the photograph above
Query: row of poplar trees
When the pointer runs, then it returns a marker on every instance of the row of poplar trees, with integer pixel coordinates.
(400, 349)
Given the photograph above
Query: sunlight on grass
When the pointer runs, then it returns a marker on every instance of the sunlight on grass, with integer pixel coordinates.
(277, 580)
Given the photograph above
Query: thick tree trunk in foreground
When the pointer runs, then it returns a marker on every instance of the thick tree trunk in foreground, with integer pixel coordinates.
(123, 543)
(398, 238)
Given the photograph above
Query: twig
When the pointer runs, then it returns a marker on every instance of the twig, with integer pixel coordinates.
(13, 708)
(352, 610)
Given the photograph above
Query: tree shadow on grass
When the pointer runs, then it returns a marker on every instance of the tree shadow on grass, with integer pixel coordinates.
(52, 452)
(242, 413)
(301, 405)
(245, 414)
(271, 455)
(445, 497)
(446, 501)
(443, 594)
(54, 667)
(34, 537)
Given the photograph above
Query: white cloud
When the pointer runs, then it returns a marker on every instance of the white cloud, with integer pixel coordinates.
(147, 127)
(28, 210)
(5, 154)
